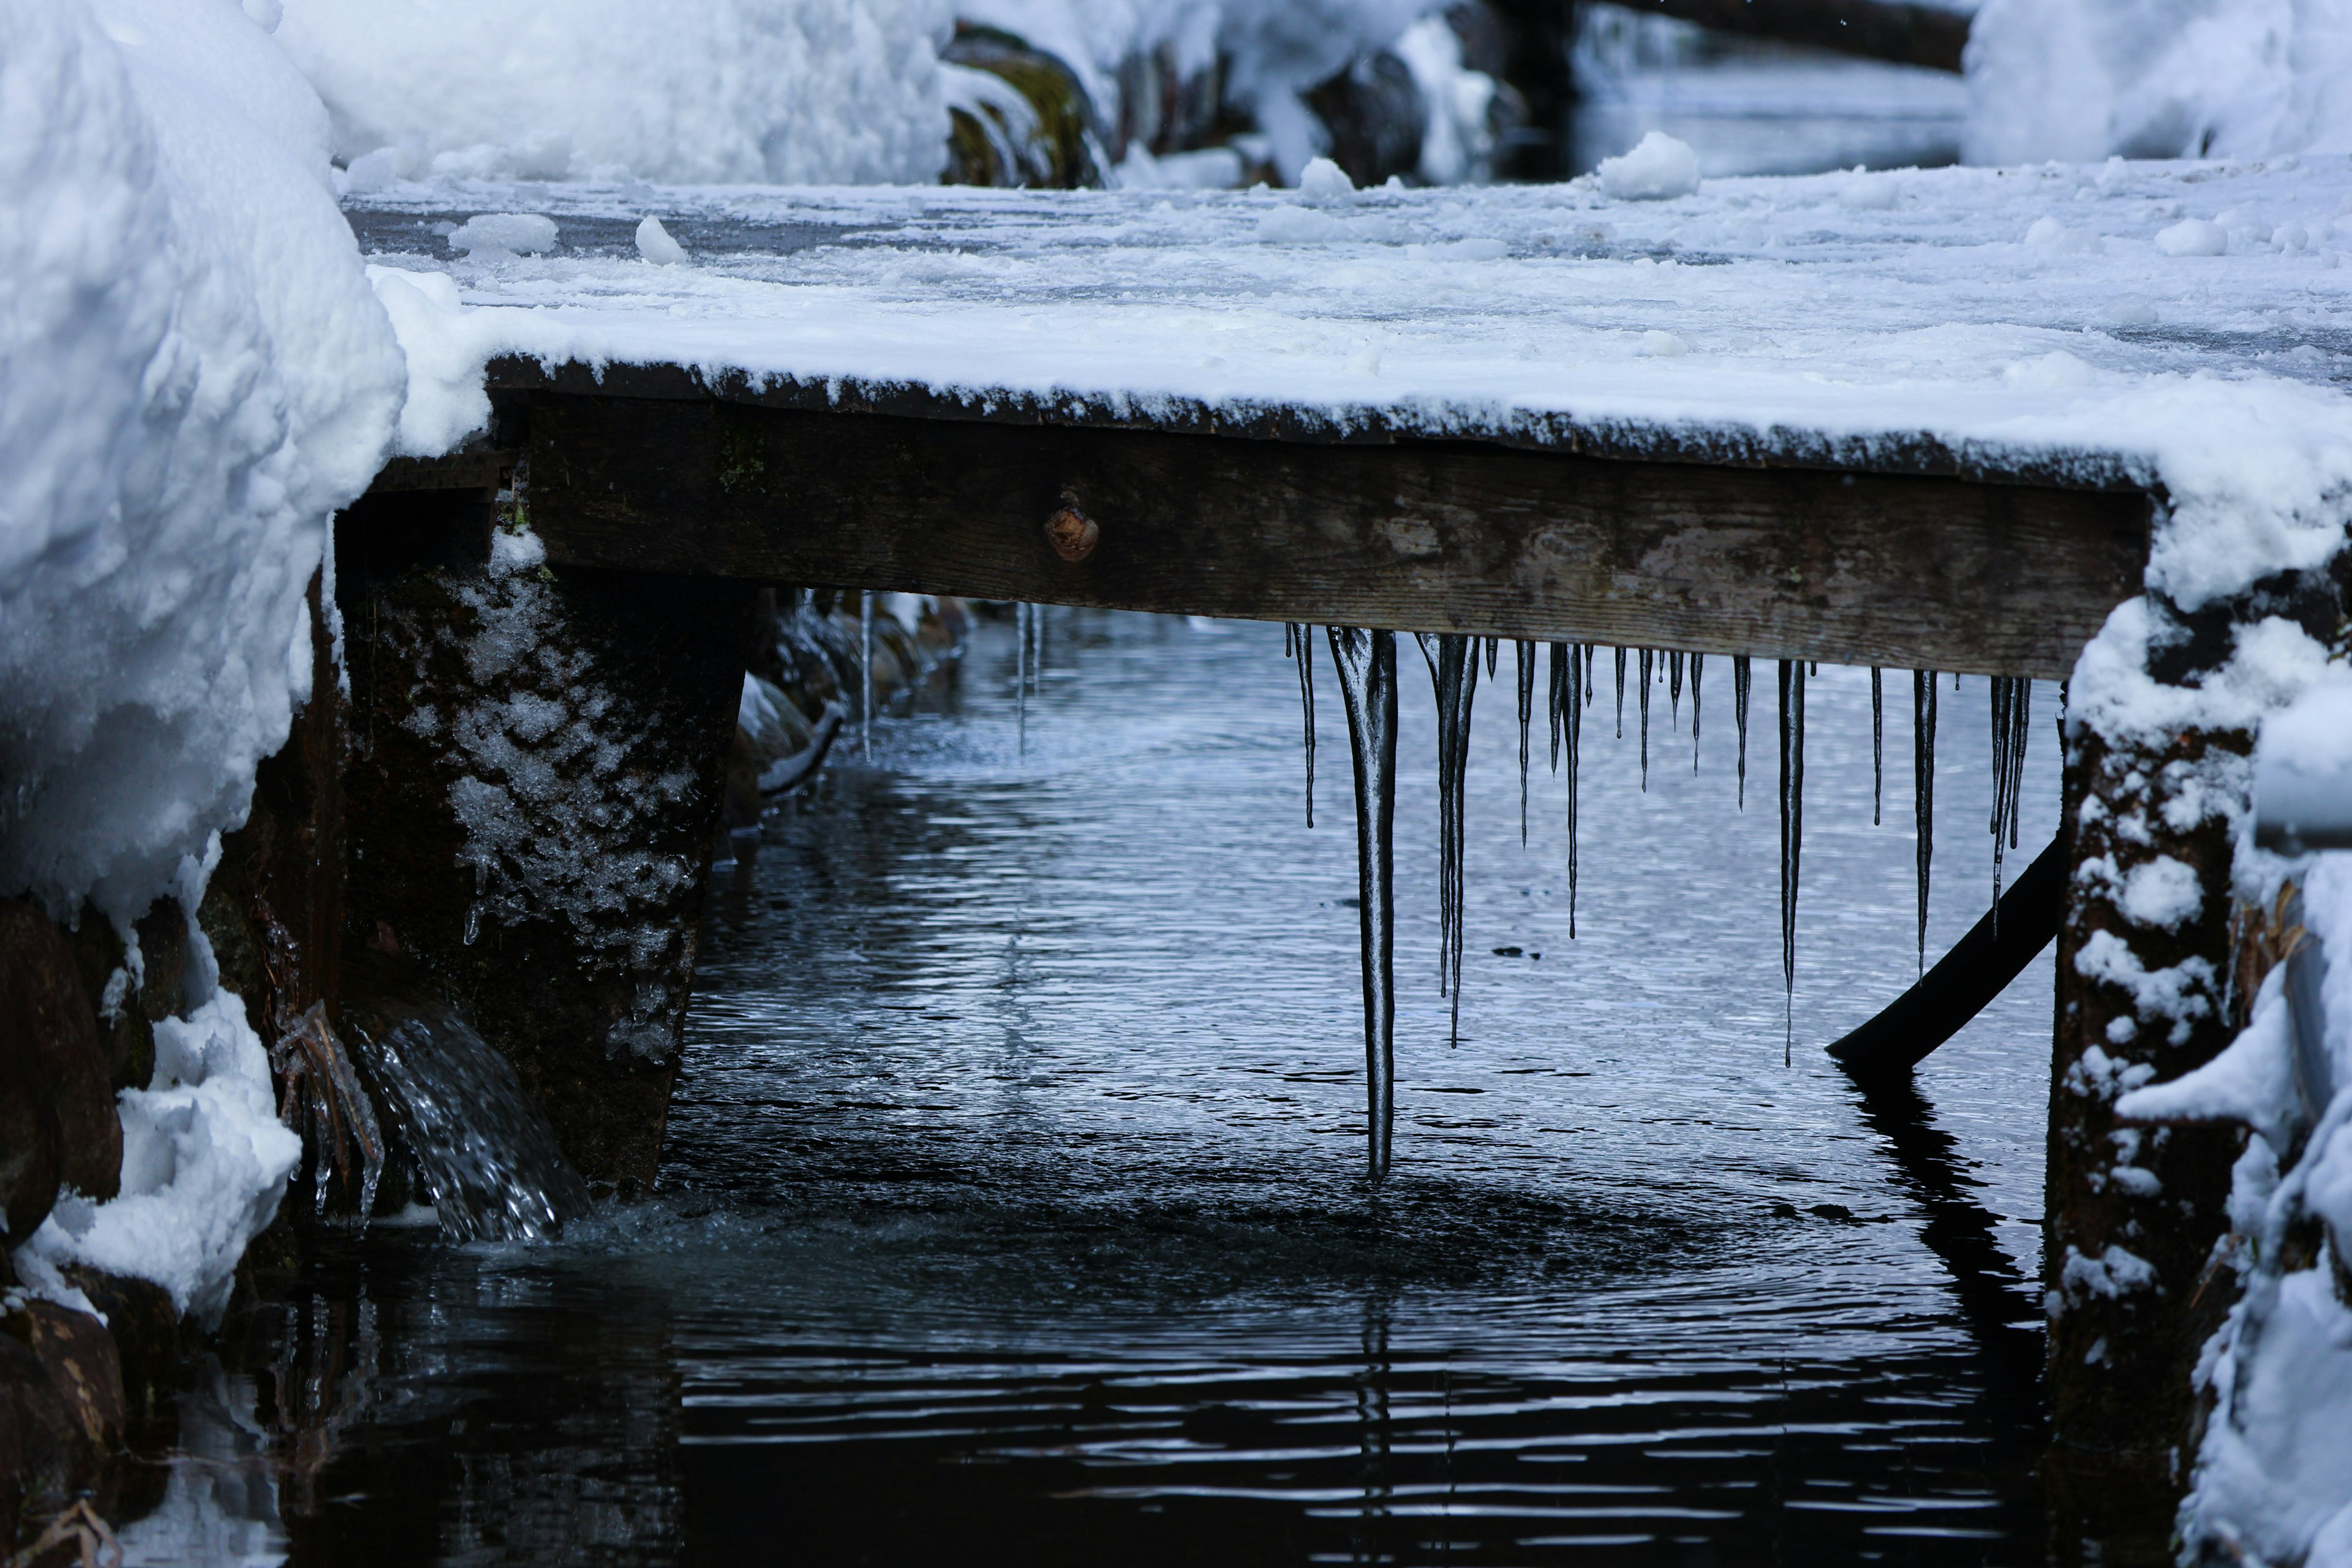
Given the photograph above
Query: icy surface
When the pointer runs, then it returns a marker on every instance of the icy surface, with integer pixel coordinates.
(1923, 333)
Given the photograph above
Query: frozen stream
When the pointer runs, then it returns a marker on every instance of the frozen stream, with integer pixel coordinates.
(1013, 1210)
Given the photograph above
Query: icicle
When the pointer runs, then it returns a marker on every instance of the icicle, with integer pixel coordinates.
(1366, 665)
(1673, 687)
(1454, 672)
(1792, 835)
(1579, 693)
(1621, 692)
(1525, 652)
(1021, 675)
(1698, 663)
(1298, 643)
(2013, 718)
(1493, 652)
(1563, 656)
(1923, 787)
(1956, 683)
(865, 672)
(1741, 673)
(1648, 660)
(1589, 652)
(1877, 745)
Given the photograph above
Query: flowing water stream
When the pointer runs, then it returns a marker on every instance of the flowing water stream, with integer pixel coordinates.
(1014, 1207)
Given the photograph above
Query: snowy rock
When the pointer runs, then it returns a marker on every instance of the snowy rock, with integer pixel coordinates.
(1658, 168)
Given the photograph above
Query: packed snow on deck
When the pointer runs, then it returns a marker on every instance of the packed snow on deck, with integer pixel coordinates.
(2179, 324)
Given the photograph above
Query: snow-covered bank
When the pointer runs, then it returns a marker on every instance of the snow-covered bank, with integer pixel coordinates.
(193, 375)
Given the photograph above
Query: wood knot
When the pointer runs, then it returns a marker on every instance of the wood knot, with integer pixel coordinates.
(1071, 533)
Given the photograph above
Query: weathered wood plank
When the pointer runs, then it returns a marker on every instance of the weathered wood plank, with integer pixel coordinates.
(1430, 536)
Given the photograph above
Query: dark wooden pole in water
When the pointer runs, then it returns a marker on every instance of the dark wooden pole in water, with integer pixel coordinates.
(533, 792)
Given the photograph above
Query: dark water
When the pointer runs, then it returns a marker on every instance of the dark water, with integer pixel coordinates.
(1011, 1210)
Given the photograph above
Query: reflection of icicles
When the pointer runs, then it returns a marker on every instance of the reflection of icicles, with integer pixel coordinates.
(1525, 652)
(1647, 658)
(1367, 666)
(865, 672)
(1621, 691)
(1673, 687)
(1570, 685)
(1698, 664)
(1923, 787)
(2012, 720)
(1454, 672)
(1296, 643)
(1877, 745)
(1792, 836)
(1740, 679)
(1020, 614)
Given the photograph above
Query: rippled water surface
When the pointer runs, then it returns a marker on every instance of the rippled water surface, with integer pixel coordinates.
(1012, 1206)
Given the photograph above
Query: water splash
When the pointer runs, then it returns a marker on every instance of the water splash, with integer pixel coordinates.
(865, 672)
(1298, 643)
(1453, 673)
(1792, 836)
(482, 1149)
(1523, 652)
(1648, 659)
(2013, 723)
(1923, 787)
(1877, 745)
(1366, 661)
(1698, 667)
(1741, 673)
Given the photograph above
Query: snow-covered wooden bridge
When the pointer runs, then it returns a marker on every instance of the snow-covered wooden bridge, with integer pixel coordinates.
(1944, 420)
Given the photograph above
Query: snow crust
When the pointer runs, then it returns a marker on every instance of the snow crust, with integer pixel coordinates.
(788, 91)
(2080, 79)
(193, 375)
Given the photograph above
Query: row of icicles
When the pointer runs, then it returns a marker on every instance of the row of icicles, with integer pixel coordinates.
(1366, 661)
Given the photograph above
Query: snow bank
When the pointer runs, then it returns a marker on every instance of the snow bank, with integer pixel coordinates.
(2078, 80)
(791, 92)
(193, 375)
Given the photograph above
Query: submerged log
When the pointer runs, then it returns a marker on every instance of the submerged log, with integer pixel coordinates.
(534, 787)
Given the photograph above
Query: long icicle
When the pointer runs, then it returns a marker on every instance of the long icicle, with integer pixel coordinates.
(2013, 723)
(1792, 836)
(1590, 650)
(1366, 665)
(1556, 703)
(1648, 666)
(1453, 673)
(1698, 664)
(1923, 787)
(1877, 745)
(1493, 652)
(1741, 675)
(1580, 678)
(1298, 642)
(865, 672)
(1525, 652)
(1673, 687)
(1621, 691)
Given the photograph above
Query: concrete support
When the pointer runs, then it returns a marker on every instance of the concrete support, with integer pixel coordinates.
(535, 780)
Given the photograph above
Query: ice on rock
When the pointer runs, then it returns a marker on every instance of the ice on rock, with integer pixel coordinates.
(1658, 168)
(2193, 237)
(493, 235)
(654, 244)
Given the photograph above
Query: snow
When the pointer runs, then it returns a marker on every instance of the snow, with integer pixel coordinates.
(193, 375)
(1658, 168)
(2192, 237)
(1324, 181)
(699, 90)
(656, 246)
(2302, 763)
(495, 234)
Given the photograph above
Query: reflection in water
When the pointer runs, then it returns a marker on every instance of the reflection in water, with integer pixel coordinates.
(1013, 1211)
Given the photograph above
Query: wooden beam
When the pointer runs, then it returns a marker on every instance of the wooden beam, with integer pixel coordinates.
(1417, 535)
